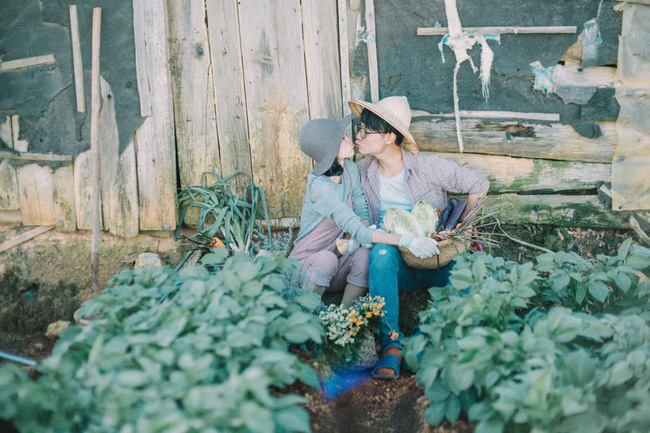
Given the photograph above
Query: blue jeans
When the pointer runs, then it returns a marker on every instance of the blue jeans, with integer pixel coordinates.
(388, 276)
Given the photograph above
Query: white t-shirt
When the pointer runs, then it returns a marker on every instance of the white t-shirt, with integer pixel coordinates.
(392, 193)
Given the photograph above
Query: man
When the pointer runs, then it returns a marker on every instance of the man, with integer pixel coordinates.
(394, 174)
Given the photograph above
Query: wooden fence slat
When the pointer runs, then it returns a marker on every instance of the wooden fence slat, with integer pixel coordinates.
(554, 209)
(65, 215)
(373, 67)
(230, 99)
(322, 59)
(24, 237)
(9, 199)
(193, 91)
(36, 192)
(521, 139)
(508, 174)
(77, 60)
(118, 174)
(6, 134)
(276, 92)
(342, 10)
(154, 139)
(83, 192)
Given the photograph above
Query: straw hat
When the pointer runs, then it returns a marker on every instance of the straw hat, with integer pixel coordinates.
(320, 139)
(396, 111)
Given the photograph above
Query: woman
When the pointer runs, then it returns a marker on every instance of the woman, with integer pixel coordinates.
(334, 204)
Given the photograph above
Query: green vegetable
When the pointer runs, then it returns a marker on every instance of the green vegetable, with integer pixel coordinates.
(426, 215)
(401, 222)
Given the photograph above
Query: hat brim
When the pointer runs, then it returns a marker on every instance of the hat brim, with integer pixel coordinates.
(357, 107)
(324, 164)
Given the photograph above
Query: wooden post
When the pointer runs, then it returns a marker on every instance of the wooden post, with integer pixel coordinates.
(77, 61)
(345, 56)
(94, 145)
(373, 69)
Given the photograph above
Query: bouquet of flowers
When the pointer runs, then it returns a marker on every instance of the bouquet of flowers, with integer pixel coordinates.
(350, 331)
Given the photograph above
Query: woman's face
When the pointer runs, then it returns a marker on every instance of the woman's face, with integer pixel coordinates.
(347, 148)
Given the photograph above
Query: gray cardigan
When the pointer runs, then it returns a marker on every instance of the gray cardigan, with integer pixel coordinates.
(326, 199)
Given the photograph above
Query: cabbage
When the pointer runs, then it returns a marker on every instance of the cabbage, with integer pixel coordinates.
(426, 215)
(401, 222)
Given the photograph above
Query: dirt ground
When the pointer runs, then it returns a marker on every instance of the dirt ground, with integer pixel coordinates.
(46, 264)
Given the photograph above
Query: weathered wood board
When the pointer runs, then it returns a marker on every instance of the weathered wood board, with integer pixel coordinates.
(320, 31)
(118, 176)
(509, 174)
(193, 91)
(6, 134)
(276, 92)
(36, 192)
(83, 192)
(554, 209)
(521, 139)
(154, 139)
(9, 199)
(65, 216)
(229, 91)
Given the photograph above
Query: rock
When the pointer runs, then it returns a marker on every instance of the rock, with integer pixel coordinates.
(148, 260)
(54, 329)
(38, 346)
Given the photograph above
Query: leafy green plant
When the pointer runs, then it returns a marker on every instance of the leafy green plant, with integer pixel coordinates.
(193, 351)
(230, 210)
(498, 347)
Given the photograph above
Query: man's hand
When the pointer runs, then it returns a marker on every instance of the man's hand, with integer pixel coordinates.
(421, 247)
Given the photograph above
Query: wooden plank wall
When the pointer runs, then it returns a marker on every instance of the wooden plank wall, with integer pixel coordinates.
(226, 86)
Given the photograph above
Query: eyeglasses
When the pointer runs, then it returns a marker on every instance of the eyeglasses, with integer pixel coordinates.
(360, 132)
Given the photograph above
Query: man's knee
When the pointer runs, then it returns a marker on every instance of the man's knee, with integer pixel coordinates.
(383, 254)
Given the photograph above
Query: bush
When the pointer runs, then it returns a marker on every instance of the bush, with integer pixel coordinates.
(521, 347)
(195, 351)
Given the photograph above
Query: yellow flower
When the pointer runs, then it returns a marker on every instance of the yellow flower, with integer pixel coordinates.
(368, 315)
(394, 335)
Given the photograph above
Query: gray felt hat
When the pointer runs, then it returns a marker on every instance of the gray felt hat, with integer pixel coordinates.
(320, 139)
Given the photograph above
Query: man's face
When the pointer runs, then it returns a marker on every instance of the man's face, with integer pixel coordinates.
(369, 142)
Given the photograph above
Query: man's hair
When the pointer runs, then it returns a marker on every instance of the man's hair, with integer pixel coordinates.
(375, 123)
(335, 170)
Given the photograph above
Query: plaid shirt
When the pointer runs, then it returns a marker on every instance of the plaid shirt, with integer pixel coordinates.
(427, 177)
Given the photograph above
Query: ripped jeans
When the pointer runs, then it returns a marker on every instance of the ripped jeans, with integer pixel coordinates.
(388, 276)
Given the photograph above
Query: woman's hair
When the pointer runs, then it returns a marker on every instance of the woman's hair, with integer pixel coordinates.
(375, 123)
(335, 170)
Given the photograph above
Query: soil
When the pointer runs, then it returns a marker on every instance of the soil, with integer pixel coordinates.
(378, 406)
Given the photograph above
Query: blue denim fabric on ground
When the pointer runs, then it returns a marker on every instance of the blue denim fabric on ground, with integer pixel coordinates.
(389, 276)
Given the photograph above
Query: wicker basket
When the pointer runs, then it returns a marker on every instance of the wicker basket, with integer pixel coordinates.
(448, 250)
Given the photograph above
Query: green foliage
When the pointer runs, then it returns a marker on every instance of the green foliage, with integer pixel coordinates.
(191, 352)
(231, 210)
(560, 346)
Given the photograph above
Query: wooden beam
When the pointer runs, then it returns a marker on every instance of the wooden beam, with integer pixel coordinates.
(77, 60)
(154, 140)
(507, 115)
(345, 54)
(500, 30)
(95, 97)
(276, 92)
(373, 69)
(553, 209)
(508, 174)
(36, 193)
(528, 140)
(18, 145)
(229, 92)
(6, 133)
(197, 141)
(575, 76)
(35, 157)
(9, 199)
(11, 217)
(322, 59)
(142, 61)
(24, 237)
(13, 65)
(65, 216)
(119, 183)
